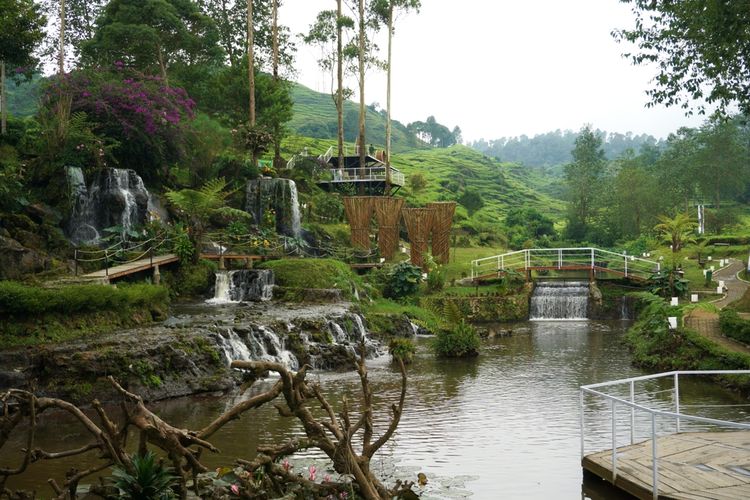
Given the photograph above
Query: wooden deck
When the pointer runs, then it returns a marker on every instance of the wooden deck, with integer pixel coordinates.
(131, 267)
(692, 465)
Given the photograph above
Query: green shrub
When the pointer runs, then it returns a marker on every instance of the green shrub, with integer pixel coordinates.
(403, 349)
(194, 280)
(402, 280)
(459, 341)
(733, 326)
(436, 280)
(21, 300)
(313, 273)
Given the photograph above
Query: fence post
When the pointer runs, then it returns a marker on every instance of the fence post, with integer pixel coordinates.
(614, 441)
(592, 258)
(626, 266)
(559, 259)
(632, 412)
(581, 425)
(677, 398)
(654, 464)
(75, 262)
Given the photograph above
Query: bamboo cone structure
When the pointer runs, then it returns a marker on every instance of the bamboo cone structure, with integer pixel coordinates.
(418, 224)
(441, 229)
(388, 215)
(359, 213)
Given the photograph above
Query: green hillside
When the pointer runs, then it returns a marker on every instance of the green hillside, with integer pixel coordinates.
(453, 171)
(315, 116)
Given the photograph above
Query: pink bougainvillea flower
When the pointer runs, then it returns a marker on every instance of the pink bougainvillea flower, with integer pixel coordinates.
(327, 478)
(312, 472)
(235, 489)
(286, 465)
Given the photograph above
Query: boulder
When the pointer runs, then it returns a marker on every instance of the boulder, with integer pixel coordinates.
(16, 260)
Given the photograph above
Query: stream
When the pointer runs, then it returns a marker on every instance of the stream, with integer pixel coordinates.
(503, 425)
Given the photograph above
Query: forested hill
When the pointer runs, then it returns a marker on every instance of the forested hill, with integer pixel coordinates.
(554, 148)
(315, 116)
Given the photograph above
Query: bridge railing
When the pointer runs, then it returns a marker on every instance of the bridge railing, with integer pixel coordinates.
(648, 400)
(565, 259)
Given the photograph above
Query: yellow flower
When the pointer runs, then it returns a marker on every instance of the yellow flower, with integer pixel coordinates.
(265, 243)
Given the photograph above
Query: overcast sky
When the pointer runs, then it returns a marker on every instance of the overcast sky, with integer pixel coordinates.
(506, 67)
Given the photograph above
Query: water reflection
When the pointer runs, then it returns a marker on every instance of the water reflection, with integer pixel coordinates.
(503, 425)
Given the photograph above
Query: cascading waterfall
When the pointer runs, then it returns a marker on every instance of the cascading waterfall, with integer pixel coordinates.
(117, 197)
(232, 346)
(559, 300)
(243, 285)
(279, 195)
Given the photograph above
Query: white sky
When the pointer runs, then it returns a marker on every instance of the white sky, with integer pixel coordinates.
(506, 67)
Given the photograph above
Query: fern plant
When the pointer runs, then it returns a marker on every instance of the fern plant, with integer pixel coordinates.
(148, 480)
(197, 206)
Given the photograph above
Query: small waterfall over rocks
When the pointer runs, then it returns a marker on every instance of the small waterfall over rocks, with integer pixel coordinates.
(559, 300)
(279, 195)
(116, 197)
(244, 285)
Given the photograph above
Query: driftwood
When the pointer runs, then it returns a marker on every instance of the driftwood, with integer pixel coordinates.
(332, 433)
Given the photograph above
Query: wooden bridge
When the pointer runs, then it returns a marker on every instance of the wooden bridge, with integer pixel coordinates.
(593, 260)
(136, 266)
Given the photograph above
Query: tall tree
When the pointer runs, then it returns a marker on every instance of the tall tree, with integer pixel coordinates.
(21, 31)
(361, 56)
(385, 9)
(582, 177)
(723, 160)
(153, 36)
(251, 67)
(230, 18)
(702, 49)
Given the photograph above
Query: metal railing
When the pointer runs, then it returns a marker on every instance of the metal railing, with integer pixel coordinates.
(565, 259)
(357, 175)
(629, 384)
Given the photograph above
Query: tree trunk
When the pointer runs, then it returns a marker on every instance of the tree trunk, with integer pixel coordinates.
(387, 189)
(61, 53)
(251, 73)
(340, 90)
(3, 101)
(362, 145)
(275, 72)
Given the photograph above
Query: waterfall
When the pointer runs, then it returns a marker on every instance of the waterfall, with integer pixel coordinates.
(244, 285)
(117, 197)
(233, 347)
(279, 195)
(559, 300)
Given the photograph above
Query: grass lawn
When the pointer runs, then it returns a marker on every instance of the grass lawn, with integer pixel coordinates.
(459, 265)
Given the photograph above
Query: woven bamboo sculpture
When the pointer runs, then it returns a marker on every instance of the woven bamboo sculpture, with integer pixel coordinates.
(418, 224)
(441, 229)
(359, 213)
(388, 215)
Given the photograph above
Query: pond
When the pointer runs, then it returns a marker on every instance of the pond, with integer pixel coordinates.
(503, 425)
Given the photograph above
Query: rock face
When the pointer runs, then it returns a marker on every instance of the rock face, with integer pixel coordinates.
(116, 197)
(280, 196)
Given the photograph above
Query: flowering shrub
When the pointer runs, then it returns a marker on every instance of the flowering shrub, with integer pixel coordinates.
(146, 116)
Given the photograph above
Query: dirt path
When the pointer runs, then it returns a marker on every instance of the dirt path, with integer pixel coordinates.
(707, 323)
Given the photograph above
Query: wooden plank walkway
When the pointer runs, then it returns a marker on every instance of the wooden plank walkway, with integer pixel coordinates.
(131, 267)
(692, 466)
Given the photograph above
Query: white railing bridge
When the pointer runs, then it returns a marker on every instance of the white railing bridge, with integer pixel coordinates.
(564, 259)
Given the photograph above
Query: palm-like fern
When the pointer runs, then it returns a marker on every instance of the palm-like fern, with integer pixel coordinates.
(199, 205)
(149, 479)
(677, 231)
